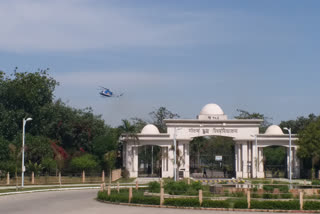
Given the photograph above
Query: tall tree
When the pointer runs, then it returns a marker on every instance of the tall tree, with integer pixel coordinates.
(299, 124)
(158, 116)
(242, 114)
(309, 142)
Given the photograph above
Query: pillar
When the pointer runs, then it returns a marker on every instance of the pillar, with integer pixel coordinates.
(296, 164)
(260, 163)
(8, 178)
(187, 160)
(103, 176)
(32, 177)
(83, 176)
(244, 160)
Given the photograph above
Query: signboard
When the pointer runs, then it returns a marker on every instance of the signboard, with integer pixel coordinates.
(218, 158)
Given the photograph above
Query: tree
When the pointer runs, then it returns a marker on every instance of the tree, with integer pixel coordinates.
(309, 142)
(299, 124)
(103, 144)
(37, 148)
(246, 115)
(110, 159)
(85, 162)
(158, 116)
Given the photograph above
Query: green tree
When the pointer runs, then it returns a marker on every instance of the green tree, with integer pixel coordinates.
(309, 142)
(110, 159)
(37, 148)
(242, 114)
(85, 162)
(299, 124)
(158, 116)
(48, 164)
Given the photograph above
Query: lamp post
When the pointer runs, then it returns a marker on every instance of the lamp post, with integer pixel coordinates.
(24, 121)
(289, 130)
(175, 153)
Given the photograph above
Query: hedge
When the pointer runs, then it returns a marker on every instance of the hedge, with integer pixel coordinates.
(276, 205)
(182, 202)
(240, 204)
(215, 204)
(154, 186)
(121, 198)
(311, 205)
(145, 200)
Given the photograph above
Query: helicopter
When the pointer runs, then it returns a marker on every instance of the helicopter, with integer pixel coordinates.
(105, 92)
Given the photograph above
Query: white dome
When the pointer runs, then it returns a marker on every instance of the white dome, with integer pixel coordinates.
(274, 130)
(211, 109)
(150, 129)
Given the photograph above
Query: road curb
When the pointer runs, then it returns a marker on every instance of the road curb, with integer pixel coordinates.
(213, 209)
(47, 190)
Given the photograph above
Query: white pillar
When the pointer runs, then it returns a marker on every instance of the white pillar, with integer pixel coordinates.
(295, 163)
(254, 161)
(187, 160)
(260, 163)
(245, 160)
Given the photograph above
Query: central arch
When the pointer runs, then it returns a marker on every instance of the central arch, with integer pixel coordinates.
(212, 157)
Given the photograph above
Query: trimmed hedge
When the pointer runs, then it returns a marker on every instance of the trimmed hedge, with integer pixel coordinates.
(145, 200)
(311, 205)
(215, 204)
(276, 205)
(241, 204)
(121, 198)
(182, 202)
(154, 186)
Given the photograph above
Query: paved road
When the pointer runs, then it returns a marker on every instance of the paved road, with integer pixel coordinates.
(78, 202)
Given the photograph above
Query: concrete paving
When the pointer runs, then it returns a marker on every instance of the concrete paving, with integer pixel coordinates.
(77, 202)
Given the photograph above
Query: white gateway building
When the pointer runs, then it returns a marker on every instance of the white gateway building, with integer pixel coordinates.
(151, 153)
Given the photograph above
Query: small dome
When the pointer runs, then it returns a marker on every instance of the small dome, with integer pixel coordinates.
(150, 129)
(211, 109)
(274, 130)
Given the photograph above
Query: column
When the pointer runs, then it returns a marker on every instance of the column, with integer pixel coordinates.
(187, 160)
(135, 160)
(297, 164)
(254, 161)
(260, 163)
(244, 160)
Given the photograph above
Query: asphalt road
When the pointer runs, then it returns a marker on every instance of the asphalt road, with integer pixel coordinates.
(78, 202)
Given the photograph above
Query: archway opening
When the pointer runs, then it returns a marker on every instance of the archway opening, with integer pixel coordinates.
(149, 161)
(212, 157)
(275, 161)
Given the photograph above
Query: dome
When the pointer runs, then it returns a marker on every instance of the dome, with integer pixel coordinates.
(211, 109)
(150, 129)
(274, 130)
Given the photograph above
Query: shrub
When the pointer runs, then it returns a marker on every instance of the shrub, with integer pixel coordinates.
(182, 202)
(315, 182)
(196, 186)
(145, 200)
(125, 173)
(176, 188)
(311, 205)
(276, 205)
(121, 198)
(267, 195)
(154, 186)
(215, 204)
(241, 204)
(287, 195)
(238, 194)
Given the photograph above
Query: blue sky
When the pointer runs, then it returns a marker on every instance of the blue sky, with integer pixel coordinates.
(260, 56)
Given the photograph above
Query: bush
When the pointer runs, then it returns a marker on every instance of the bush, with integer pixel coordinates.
(145, 200)
(154, 186)
(238, 194)
(196, 186)
(120, 198)
(315, 182)
(176, 188)
(270, 188)
(241, 204)
(182, 202)
(215, 204)
(311, 205)
(276, 205)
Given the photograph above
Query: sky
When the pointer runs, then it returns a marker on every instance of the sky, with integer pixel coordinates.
(259, 56)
